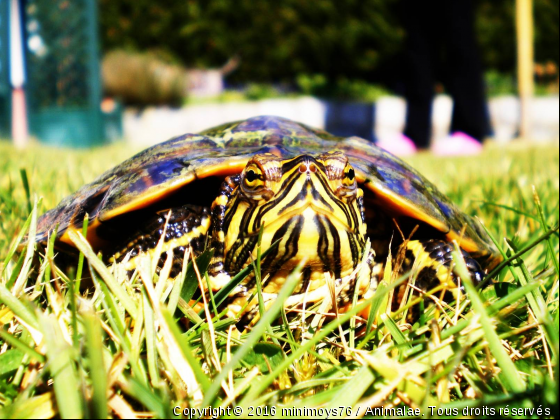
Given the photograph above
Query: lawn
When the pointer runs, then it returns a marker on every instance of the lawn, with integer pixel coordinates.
(133, 346)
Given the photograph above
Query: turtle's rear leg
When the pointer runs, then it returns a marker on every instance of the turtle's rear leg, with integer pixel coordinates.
(431, 264)
(187, 226)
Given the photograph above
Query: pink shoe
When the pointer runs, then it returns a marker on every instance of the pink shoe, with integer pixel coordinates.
(398, 145)
(457, 144)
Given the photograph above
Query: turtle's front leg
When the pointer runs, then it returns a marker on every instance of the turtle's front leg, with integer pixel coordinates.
(218, 275)
(180, 228)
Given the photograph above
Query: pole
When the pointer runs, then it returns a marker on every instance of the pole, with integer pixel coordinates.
(524, 21)
(17, 77)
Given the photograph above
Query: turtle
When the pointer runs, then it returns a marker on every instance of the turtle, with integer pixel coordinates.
(313, 198)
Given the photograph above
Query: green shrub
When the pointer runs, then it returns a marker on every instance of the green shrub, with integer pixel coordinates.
(143, 78)
(499, 84)
(342, 89)
(258, 91)
(276, 40)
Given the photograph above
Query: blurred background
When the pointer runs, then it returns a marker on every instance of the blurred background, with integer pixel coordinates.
(83, 72)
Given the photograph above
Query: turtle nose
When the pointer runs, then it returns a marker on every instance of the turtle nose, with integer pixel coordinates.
(307, 166)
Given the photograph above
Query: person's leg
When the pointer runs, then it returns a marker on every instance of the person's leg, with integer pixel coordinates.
(419, 71)
(464, 71)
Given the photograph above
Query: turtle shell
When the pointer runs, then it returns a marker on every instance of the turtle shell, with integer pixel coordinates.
(166, 169)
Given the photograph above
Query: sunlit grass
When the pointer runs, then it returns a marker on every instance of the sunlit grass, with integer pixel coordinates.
(134, 346)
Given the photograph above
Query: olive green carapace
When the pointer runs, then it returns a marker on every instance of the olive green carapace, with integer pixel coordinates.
(161, 171)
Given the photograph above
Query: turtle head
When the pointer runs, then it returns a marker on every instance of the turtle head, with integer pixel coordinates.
(310, 205)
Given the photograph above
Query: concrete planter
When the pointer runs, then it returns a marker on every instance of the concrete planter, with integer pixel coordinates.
(347, 119)
(383, 119)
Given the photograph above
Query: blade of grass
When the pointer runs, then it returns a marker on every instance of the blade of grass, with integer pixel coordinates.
(18, 344)
(178, 350)
(518, 254)
(254, 336)
(23, 275)
(396, 333)
(224, 292)
(111, 310)
(18, 307)
(492, 309)
(81, 256)
(16, 271)
(138, 334)
(100, 267)
(190, 282)
(50, 254)
(11, 360)
(538, 305)
(291, 340)
(36, 407)
(209, 320)
(186, 351)
(544, 225)
(505, 207)
(361, 278)
(61, 365)
(377, 302)
(351, 392)
(94, 346)
(25, 182)
(118, 326)
(316, 400)
(71, 296)
(535, 298)
(178, 285)
(16, 243)
(267, 380)
(258, 280)
(211, 295)
(510, 376)
(146, 397)
(150, 331)
(257, 271)
(408, 373)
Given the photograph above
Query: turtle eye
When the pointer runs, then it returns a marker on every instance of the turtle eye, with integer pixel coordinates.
(252, 177)
(348, 186)
(260, 175)
(349, 176)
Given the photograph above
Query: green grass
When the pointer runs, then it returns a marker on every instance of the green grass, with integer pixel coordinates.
(134, 347)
